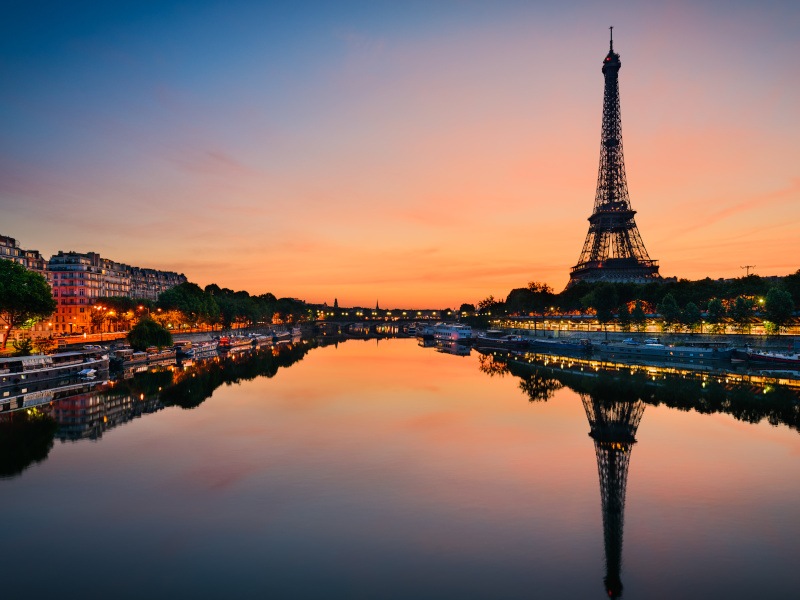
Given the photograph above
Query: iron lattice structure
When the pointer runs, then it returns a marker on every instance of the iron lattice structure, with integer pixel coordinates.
(613, 250)
(613, 425)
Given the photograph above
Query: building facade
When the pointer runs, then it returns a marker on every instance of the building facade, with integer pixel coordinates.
(30, 259)
(79, 280)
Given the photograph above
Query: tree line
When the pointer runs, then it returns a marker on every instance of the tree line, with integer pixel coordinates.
(679, 305)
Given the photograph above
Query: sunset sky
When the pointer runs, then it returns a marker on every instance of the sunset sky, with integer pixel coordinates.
(422, 154)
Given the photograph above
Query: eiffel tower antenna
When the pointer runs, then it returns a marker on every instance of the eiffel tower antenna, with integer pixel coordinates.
(613, 250)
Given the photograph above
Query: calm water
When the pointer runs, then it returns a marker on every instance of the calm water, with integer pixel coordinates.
(385, 470)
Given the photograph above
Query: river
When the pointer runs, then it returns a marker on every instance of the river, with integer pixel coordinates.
(380, 469)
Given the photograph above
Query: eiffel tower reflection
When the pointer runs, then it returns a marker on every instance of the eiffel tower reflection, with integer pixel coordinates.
(613, 420)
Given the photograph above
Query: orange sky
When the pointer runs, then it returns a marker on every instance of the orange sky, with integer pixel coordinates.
(421, 158)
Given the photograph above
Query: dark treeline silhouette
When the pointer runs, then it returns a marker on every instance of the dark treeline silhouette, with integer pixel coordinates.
(26, 438)
(680, 303)
(193, 387)
(779, 406)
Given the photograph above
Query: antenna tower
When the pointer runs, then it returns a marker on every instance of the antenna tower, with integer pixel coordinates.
(613, 250)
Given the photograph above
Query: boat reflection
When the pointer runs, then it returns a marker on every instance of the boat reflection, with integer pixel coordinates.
(72, 410)
(451, 347)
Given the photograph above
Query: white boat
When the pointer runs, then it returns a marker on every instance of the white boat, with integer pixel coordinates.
(87, 372)
(452, 332)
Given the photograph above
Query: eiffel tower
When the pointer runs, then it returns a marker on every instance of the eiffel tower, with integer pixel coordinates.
(613, 422)
(613, 250)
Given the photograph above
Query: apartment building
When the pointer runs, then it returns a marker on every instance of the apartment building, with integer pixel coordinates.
(78, 280)
(30, 259)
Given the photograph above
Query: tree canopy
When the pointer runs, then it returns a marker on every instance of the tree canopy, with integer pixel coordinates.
(25, 297)
(148, 333)
(196, 305)
(778, 308)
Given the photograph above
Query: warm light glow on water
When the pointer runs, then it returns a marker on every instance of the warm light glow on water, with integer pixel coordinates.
(375, 470)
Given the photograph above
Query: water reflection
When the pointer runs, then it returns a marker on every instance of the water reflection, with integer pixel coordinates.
(87, 410)
(26, 438)
(614, 417)
(370, 470)
(613, 421)
(614, 403)
(775, 403)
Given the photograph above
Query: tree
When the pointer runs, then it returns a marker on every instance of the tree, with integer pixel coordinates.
(196, 305)
(22, 346)
(778, 309)
(43, 345)
(25, 297)
(741, 313)
(541, 298)
(488, 304)
(716, 315)
(669, 311)
(148, 333)
(97, 316)
(624, 317)
(638, 316)
(520, 301)
(466, 308)
(691, 316)
(603, 299)
(791, 283)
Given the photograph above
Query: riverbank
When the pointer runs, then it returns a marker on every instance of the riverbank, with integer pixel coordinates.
(768, 342)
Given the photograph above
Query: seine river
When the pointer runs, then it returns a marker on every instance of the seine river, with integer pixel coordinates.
(380, 469)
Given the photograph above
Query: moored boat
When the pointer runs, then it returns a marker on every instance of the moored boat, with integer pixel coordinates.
(183, 350)
(494, 338)
(160, 354)
(562, 345)
(452, 332)
(21, 370)
(281, 336)
(653, 350)
(234, 342)
(260, 340)
(205, 349)
(791, 359)
(424, 331)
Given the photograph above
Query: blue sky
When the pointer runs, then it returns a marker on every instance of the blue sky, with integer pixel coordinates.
(366, 149)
